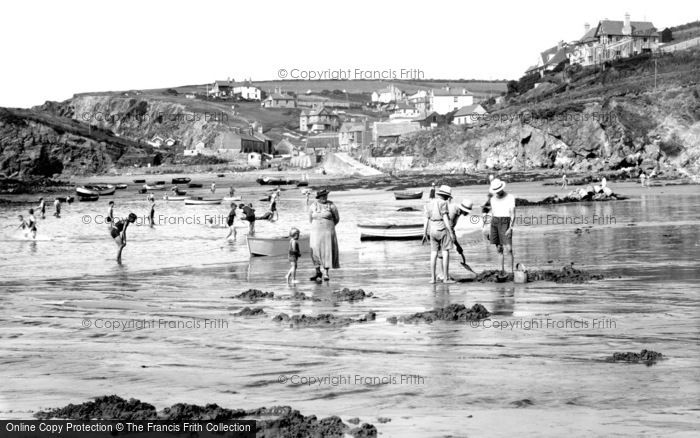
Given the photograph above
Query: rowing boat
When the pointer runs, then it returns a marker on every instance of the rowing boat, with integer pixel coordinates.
(403, 195)
(88, 198)
(266, 181)
(194, 185)
(121, 186)
(156, 187)
(231, 198)
(181, 180)
(275, 246)
(175, 198)
(387, 231)
(203, 201)
(89, 190)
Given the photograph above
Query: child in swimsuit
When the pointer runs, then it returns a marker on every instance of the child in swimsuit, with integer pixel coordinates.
(22, 225)
(31, 223)
(118, 233)
(294, 254)
(153, 212)
(42, 208)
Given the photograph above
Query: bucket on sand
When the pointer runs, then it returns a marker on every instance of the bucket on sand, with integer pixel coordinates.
(520, 274)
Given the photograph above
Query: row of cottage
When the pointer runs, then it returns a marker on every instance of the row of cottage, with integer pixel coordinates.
(609, 40)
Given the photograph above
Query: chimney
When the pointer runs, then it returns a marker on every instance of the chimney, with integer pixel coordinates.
(587, 27)
(559, 45)
(627, 28)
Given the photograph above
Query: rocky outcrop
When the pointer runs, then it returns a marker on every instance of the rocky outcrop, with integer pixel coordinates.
(40, 144)
(601, 121)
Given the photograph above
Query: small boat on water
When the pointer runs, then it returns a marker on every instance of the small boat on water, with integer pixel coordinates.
(403, 195)
(88, 198)
(155, 187)
(389, 231)
(89, 190)
(194, 185)
(266, 181)
(220, 175)
(121, 186)
(231, 198)
(203, 201)
(303, 184)
(175, 198)
(275, 246)
(160, 183)
(139, 181)
(181, 180)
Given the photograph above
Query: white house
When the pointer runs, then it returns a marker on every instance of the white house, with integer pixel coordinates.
(196, 150)
(247, 91)
(468, 114)
(387, 95)
(445, 100)
(404, 110)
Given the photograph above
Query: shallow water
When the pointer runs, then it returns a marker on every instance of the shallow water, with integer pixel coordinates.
(547, 380)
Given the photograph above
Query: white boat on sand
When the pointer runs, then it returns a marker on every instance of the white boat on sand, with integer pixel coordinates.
(203, 201)
(275, 246)
(175, 198)
(390, 231)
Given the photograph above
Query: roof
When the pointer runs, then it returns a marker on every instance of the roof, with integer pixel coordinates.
(614, 27)
(450, 92)
(589, 36)
(383, 129)
(352, 127)
(285, 146)
(323, 140)
(389, 89)
(316, 111)
(244, 84)
(278, 96)
(404, 105)
(222, 83)
(469, 109)
(424, 116)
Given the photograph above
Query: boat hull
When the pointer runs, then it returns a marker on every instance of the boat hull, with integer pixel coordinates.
(183, 180)
(271, 247)
(401, 196)
(88, 198)
(391, 231)
(147, 187)
(276, 182)
(176, 198)
(202, 201)
(231, 198)
(194, 185)
(95, 190)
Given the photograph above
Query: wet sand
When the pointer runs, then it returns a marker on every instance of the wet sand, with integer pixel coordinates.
(452, 378)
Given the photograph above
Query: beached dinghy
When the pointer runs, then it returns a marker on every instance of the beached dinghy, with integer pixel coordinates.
(181, 180)
(88, 198)
(101, 190)
(155, 187)
(403, 195)
(175, 198)
(275, 246)
(194, 185)
(121, 186)
(391, 231)
(203, 201)
(231, 198)
(139, 181)
(267, 181)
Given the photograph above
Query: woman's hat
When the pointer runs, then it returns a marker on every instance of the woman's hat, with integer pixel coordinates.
(466, 206)
(321, 193)
(445, 191)
(496, 186)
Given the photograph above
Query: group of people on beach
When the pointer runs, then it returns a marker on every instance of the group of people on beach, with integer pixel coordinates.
(28, 224)
(442, 216)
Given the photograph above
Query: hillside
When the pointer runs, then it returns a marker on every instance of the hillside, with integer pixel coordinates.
(583, 119)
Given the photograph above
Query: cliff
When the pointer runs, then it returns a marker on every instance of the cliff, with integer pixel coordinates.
(41, 144)
(582, 120)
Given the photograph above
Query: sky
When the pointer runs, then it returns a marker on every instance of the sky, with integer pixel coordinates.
(50, 50)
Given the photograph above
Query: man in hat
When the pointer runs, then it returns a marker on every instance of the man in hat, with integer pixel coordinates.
(439, 229)
(455, 212)
(502, 221)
